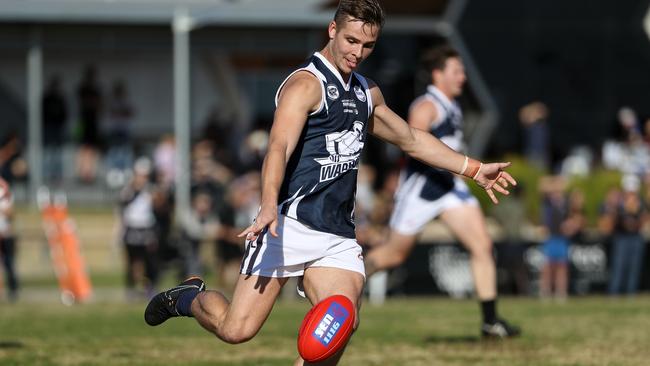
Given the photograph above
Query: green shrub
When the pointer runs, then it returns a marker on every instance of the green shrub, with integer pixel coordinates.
(528, 177)
(595, 187)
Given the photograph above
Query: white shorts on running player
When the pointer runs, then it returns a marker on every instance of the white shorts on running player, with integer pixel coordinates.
(297, 248)
(412, 212)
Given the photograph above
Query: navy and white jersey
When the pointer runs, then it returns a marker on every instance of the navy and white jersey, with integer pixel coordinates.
(320, 181)
(448, 128)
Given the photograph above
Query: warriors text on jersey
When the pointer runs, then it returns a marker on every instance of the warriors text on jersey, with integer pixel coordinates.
(321, 176)
(448, 128)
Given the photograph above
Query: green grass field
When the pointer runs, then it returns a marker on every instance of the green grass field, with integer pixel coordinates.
(38, 330)
(413, 331)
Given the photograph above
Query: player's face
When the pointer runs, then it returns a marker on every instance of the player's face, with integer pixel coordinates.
(452, 78)
(351, 43)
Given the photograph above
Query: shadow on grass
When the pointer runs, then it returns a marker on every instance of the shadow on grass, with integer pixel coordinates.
(452, 339)
(11, 344)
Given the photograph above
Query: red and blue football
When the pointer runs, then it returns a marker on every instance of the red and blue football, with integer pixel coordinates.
(326, 328)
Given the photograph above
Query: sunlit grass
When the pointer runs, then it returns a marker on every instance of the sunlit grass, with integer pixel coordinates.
(414, 331)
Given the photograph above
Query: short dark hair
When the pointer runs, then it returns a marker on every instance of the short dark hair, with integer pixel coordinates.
(436, 58)
(367, 11)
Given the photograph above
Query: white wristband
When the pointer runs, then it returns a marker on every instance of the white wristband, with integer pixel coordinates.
(465, 163)
(478, 171)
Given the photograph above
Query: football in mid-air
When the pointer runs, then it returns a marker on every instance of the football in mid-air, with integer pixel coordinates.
(326, 328)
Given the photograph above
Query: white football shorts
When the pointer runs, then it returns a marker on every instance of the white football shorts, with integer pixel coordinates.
(412, 212)
(297, 248)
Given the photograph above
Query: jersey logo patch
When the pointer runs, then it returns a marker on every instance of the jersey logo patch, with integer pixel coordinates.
(332, 92)
(344, 148)
(361, 95)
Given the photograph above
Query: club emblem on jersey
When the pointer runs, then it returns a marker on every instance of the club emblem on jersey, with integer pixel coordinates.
(332, 92)
(344, 148)
(361, 95)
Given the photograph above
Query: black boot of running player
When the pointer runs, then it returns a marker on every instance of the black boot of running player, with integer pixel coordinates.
(164, 305)
(499, 328)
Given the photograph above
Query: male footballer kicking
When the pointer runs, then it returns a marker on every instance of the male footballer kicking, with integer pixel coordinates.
(305, 225)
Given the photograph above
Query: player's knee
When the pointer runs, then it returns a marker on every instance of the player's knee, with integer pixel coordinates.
(235, 335)
(238, 331)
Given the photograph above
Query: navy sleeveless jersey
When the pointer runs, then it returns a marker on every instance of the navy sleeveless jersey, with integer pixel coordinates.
(449, 130)
(320, 181)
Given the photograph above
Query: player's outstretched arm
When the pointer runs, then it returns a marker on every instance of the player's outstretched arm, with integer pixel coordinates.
(425, 147)
(300, 96)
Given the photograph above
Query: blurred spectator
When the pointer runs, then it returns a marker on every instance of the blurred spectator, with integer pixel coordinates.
(55, 116)
(578, 162)
(165, 160)
(199, 225)
(235, 214)
(556, 247)
(208, 173)
(8, 240)
(119, 157)
(628, 245)
(607, 213)
(511, 215)
(163, 210)
(365, 205)
(218, 129)
(564, 220)
(376, 228)
(253, 150)
(209, 180)
(533, 117)
(630, 155)
(576, 221)
(646, 130)
(139, 230)
(90, 109)
(13, 166)
(628, 120)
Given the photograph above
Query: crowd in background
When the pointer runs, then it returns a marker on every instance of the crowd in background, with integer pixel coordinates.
(224, 200)
(226, 188)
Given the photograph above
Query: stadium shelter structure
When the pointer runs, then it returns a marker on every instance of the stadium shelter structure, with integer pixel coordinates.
(32, 30)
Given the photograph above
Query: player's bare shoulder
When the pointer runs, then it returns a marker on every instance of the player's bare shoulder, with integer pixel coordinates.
(423, 104)
(375, 92)
(424, 109)
(303, 86)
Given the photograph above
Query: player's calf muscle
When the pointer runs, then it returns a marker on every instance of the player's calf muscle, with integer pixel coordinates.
(210, 310)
